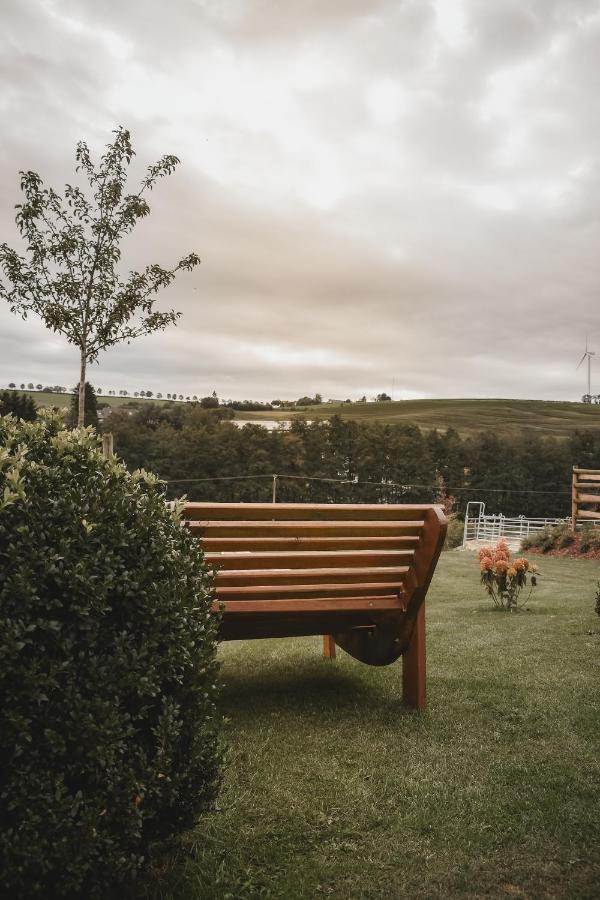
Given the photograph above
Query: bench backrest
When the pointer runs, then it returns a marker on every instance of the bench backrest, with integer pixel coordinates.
(299, 569)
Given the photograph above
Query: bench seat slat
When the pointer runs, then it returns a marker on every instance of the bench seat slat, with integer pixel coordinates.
(224, 544)
(308, 559)
(312, 511)
(308, 576)
(276, 528)
(313, 605)
(291, 591)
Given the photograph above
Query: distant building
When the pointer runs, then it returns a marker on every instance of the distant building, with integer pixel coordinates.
(106, 411)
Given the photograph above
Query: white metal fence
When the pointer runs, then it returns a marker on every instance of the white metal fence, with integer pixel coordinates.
(484, 528)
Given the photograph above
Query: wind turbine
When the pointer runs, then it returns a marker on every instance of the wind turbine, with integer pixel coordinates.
(588, 354)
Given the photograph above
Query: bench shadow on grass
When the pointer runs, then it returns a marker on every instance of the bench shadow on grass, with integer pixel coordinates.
(310, 688)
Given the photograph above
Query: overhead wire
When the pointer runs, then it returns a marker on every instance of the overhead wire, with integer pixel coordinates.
(378, 484)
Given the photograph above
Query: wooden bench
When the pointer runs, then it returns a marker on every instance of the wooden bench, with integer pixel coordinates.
(356, 574)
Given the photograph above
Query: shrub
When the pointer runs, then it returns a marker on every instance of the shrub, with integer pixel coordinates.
(590, 538)
(546, 544)
(454, 533)
(107, 667)
(544, 540)
(594, 541)
(586, 538)
(549, 538)
(566, 538)
(505, 578)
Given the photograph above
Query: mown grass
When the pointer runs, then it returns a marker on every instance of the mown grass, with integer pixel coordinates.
(548, 417)
(334, 789)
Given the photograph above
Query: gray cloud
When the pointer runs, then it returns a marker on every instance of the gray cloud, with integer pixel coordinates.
(378, 191)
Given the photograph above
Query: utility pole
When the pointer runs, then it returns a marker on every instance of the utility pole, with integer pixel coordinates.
(274, 488)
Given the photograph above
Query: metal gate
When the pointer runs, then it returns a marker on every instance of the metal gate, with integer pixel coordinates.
(483, 528)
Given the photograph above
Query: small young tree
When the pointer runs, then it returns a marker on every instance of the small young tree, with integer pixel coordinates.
(69, 276)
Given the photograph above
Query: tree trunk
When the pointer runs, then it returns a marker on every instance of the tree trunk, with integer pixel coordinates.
(81, 411)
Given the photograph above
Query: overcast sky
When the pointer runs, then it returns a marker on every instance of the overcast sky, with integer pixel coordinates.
(397, 192)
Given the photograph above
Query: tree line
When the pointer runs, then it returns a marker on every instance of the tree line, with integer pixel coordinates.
(201, 453)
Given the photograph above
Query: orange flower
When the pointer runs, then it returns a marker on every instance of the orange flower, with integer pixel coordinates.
(511, 572)
(485, 552)
(533, 569)
(486, 564)
(502, 545)
(521, 565)
(501, 566)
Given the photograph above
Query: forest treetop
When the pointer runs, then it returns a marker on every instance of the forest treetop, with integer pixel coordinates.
(203, 454)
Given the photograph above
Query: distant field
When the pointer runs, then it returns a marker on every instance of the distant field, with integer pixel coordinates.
(549, 417)
(46, 398)
(552, 418)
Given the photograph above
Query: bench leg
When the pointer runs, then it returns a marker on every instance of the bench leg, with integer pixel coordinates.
(328, 646)
(413, 665)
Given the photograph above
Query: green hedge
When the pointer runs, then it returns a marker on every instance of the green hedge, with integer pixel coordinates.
(107, 667)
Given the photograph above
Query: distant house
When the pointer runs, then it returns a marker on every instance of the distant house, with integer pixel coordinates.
(106, 411)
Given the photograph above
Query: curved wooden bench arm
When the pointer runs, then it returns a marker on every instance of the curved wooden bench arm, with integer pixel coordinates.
(404, 635)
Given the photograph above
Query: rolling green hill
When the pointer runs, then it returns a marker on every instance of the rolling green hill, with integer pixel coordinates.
(557, 418)
(548, 417)
(47, 398)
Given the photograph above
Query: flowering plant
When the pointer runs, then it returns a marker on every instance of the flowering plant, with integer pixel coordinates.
(505, 578)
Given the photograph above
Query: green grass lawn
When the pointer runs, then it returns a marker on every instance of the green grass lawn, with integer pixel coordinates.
(334, 789)
(548, 417)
